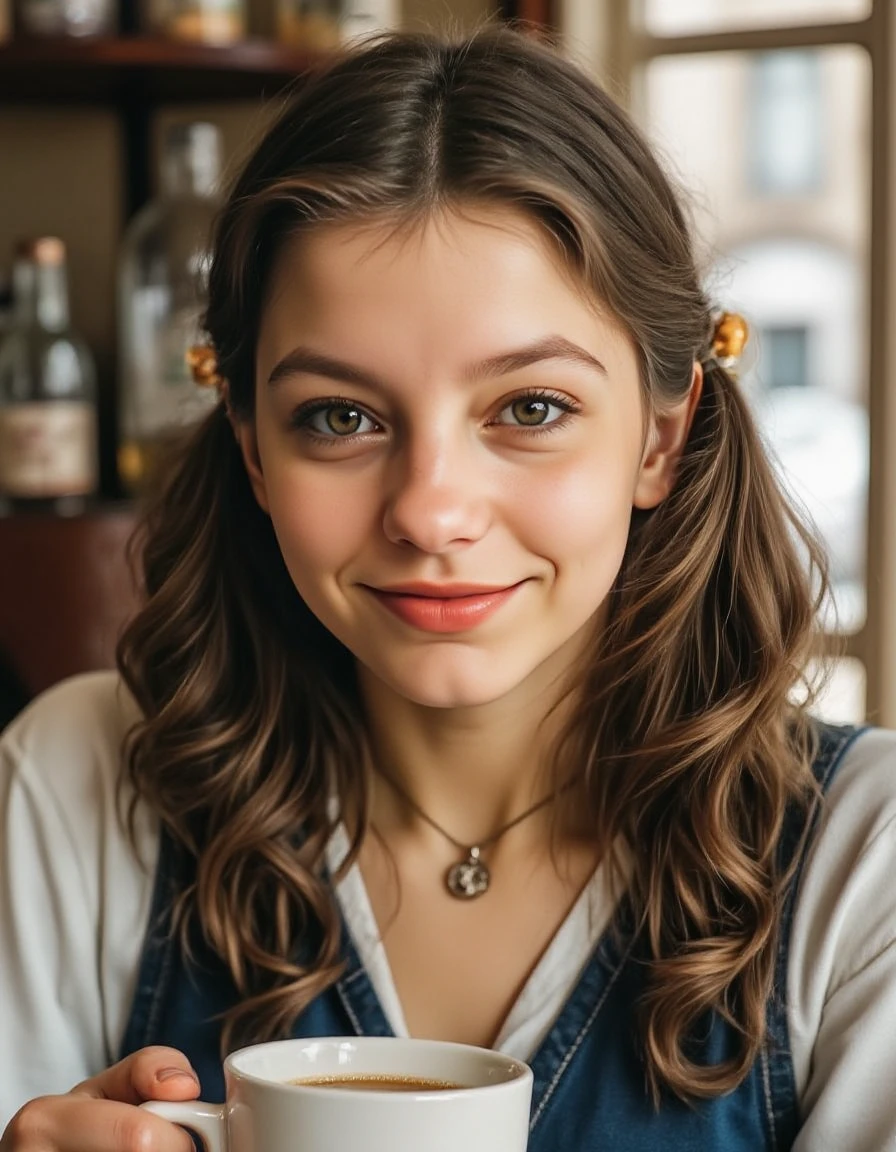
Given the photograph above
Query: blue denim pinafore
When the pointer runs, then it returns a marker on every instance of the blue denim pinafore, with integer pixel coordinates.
(589, 1090)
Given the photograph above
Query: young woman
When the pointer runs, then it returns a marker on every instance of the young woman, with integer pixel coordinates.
(462, 703)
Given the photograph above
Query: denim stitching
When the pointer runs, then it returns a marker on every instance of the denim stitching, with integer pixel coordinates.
(156, 961)
(167, 883)
(164, 975)
(346, 1004)
(767, 1096)
(579, 1040)
(837, 751)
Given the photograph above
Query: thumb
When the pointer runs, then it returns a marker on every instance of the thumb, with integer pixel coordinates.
(155, 1073)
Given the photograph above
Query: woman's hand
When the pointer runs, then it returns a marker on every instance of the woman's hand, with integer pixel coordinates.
(100, 1115)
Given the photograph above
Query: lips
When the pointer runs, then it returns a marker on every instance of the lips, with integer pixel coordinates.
(443, 608)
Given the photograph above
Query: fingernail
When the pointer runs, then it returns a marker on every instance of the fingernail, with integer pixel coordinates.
(173, 1073)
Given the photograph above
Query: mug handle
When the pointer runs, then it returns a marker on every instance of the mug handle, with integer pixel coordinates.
(206, 1120)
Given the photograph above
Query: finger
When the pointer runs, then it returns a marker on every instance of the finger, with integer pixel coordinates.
(80, 1123)
(151, 1074)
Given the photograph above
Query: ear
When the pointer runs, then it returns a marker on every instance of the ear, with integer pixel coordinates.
(665, 443)
(247, 439)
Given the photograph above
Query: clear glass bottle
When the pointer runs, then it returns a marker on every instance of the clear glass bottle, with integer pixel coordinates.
(367, 17)
(162, 288)
(204, 21)
(48, 407)
(66, 17)
(309, 23)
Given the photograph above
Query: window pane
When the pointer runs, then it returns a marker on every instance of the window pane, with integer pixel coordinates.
(785, 125)
(841, 698)
(673, 17)
(791, 255)
(786, 355)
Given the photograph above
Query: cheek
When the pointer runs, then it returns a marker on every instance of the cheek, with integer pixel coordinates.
(319, 527)
(575, 510)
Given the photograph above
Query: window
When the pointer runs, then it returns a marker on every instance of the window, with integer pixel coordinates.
(777, 117)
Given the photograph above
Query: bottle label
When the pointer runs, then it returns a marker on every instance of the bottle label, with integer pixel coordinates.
(48, 449)
(209, 21)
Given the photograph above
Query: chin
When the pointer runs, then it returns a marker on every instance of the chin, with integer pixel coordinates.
(447, 702)
(448, 691)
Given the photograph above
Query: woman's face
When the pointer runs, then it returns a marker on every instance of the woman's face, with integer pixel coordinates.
(449, 439)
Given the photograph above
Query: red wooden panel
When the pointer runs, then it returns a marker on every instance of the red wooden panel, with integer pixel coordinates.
(65, 593)
(535, 12)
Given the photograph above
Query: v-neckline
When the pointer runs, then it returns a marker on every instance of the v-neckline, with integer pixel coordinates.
(546, 991)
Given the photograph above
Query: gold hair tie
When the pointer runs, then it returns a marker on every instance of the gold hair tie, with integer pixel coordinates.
(202, 360)
(729, 338)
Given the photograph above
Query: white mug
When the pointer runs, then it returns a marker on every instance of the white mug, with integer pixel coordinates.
(485, 1109)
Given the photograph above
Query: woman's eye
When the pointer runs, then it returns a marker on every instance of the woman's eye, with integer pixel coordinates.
(337, 420)
(533, 411)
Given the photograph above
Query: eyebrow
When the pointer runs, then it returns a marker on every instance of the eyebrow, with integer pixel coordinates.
(303, 361)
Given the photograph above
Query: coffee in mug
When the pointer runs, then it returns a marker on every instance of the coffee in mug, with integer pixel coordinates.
(379, 1083)
(363, 1094)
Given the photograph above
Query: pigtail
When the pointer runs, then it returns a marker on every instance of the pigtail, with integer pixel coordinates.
(241, 744)
(694, 759)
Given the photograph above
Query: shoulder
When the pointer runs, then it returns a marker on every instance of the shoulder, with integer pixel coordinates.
(841, 979)
(859, 805)
(841, 944)
(846, 900)
(85, 717)
(64, 751)
(84, 857)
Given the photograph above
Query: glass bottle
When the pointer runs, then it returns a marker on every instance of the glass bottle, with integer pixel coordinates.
(309, 23)
(162, 286)
(66, 17)
(48, 408)
(367, 17)
(205, 21)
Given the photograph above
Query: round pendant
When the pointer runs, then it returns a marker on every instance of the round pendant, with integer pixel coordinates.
(469, 878)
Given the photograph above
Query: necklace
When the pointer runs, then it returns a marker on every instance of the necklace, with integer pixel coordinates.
(469, 877)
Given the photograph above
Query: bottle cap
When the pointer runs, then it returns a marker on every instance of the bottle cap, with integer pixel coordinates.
(47, 250)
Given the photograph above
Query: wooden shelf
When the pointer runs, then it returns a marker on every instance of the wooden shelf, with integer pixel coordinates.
(106, 70)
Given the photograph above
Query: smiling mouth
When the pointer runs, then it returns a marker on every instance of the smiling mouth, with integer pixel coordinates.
(446, 608)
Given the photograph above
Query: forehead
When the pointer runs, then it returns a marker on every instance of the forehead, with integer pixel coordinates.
(424, 298)
(463, 240)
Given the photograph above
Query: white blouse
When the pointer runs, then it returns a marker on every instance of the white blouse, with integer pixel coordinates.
(75, 900)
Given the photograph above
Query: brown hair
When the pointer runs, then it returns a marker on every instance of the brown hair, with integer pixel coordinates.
(687, 743)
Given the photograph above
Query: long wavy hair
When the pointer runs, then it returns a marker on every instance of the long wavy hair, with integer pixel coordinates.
(687, 743)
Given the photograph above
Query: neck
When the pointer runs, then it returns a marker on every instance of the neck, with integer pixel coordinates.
(471, 770)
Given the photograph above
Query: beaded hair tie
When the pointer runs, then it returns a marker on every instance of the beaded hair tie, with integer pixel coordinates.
(729, 337)
(202, 360)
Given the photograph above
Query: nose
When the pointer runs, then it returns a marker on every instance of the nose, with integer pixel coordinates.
(438, 498)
